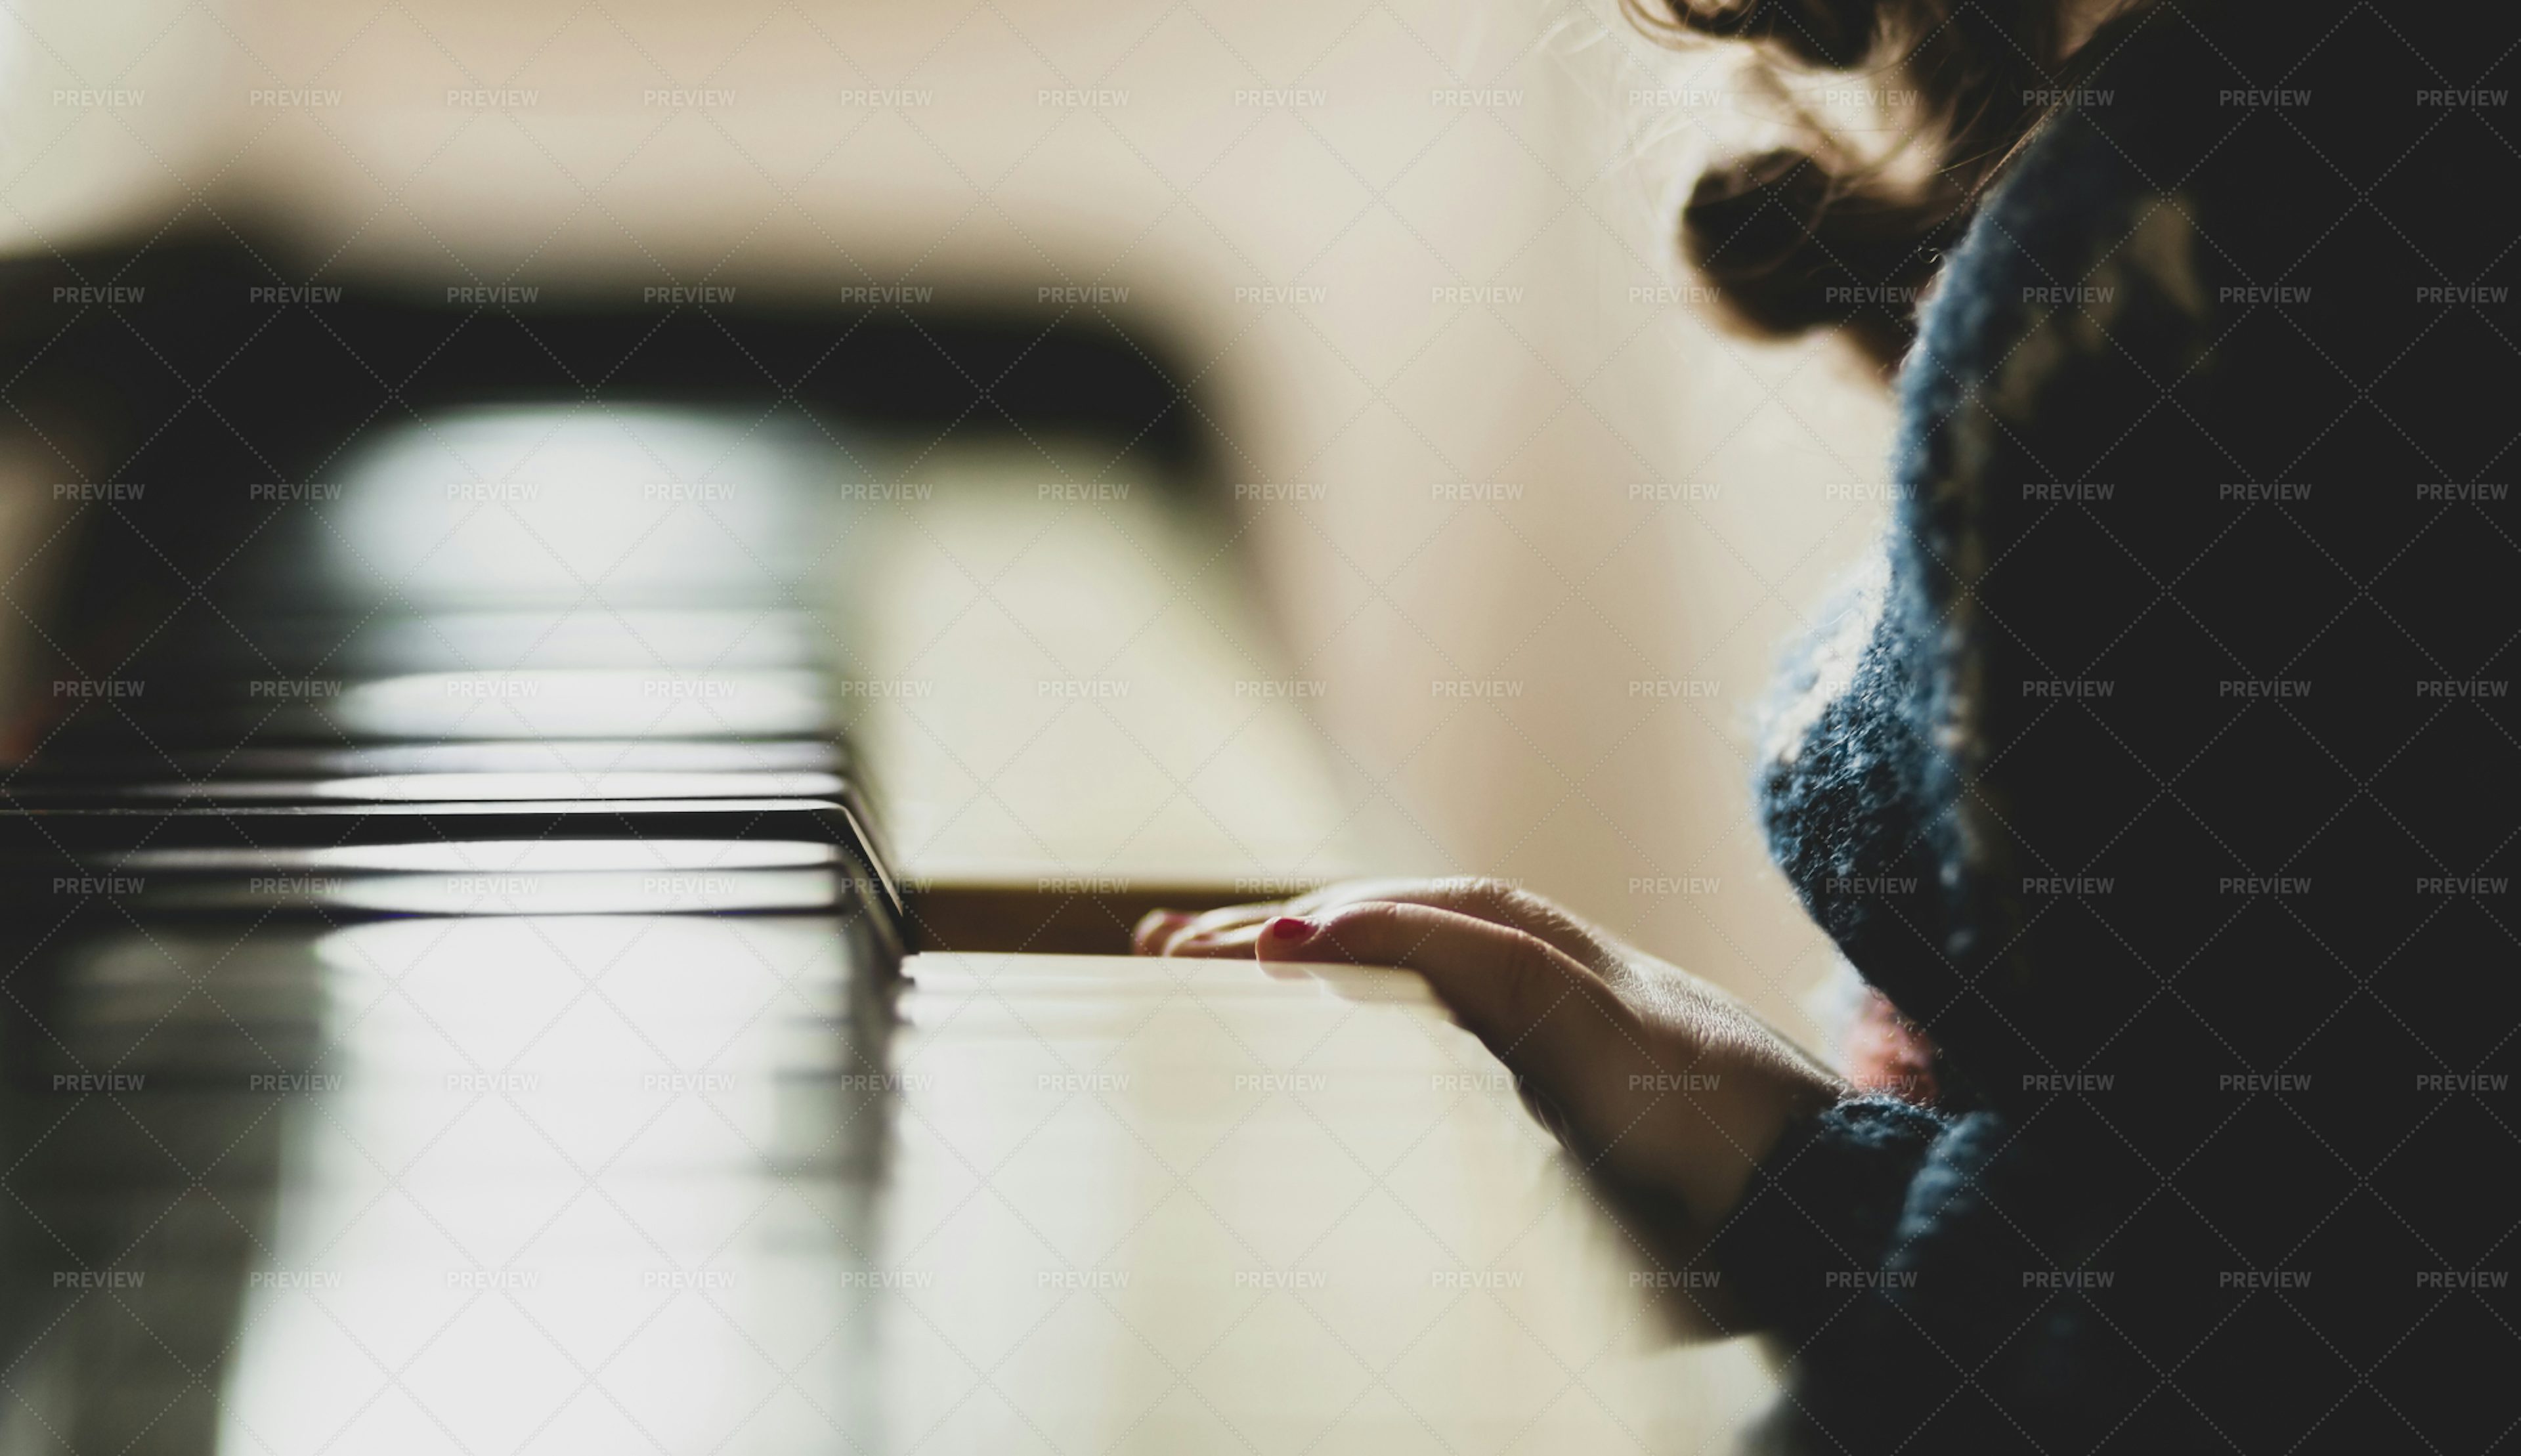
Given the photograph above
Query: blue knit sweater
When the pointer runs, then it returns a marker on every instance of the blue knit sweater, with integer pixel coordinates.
(2171, 786)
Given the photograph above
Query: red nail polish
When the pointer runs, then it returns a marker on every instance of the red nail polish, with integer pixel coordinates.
(1292, 930)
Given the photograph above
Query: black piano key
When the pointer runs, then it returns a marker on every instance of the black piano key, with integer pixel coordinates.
(335, 858)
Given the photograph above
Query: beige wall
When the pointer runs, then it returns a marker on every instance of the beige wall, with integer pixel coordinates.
(1368, 198)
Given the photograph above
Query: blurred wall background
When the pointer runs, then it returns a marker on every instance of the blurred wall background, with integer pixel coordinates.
(1534, 523)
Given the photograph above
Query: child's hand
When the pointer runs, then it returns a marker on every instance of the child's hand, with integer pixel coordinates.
(1650, 1075)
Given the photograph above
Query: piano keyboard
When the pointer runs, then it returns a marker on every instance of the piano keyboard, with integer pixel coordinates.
(477, 866)
(454, 1002)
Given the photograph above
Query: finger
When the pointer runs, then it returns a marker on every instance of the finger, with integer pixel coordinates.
(1171, 938)
(1540, 1009)
(1230, 931)
(1481, 897)
(1211, 922)
(1155, 928)
(1231, 942)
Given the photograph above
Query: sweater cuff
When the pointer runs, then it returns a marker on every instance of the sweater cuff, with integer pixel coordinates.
(1817, 1219)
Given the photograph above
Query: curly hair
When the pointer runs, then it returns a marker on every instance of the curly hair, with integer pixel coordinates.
(1818, 235)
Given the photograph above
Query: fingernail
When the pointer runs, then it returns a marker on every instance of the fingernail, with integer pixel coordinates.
(1292, 930)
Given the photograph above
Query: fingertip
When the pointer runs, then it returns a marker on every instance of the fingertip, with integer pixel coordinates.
(1284, 935)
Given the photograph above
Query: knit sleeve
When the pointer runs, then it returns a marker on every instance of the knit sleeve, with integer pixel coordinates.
(1910, 1266)
(1820, 1211)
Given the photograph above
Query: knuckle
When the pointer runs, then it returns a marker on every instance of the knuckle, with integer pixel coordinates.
(1335, 896)
(1531, 980)
(1479, 896)
(1364, 931)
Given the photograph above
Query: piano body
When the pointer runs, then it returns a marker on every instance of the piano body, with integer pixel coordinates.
(561, 876)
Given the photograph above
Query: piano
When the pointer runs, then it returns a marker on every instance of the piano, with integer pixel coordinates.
(562, 872)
